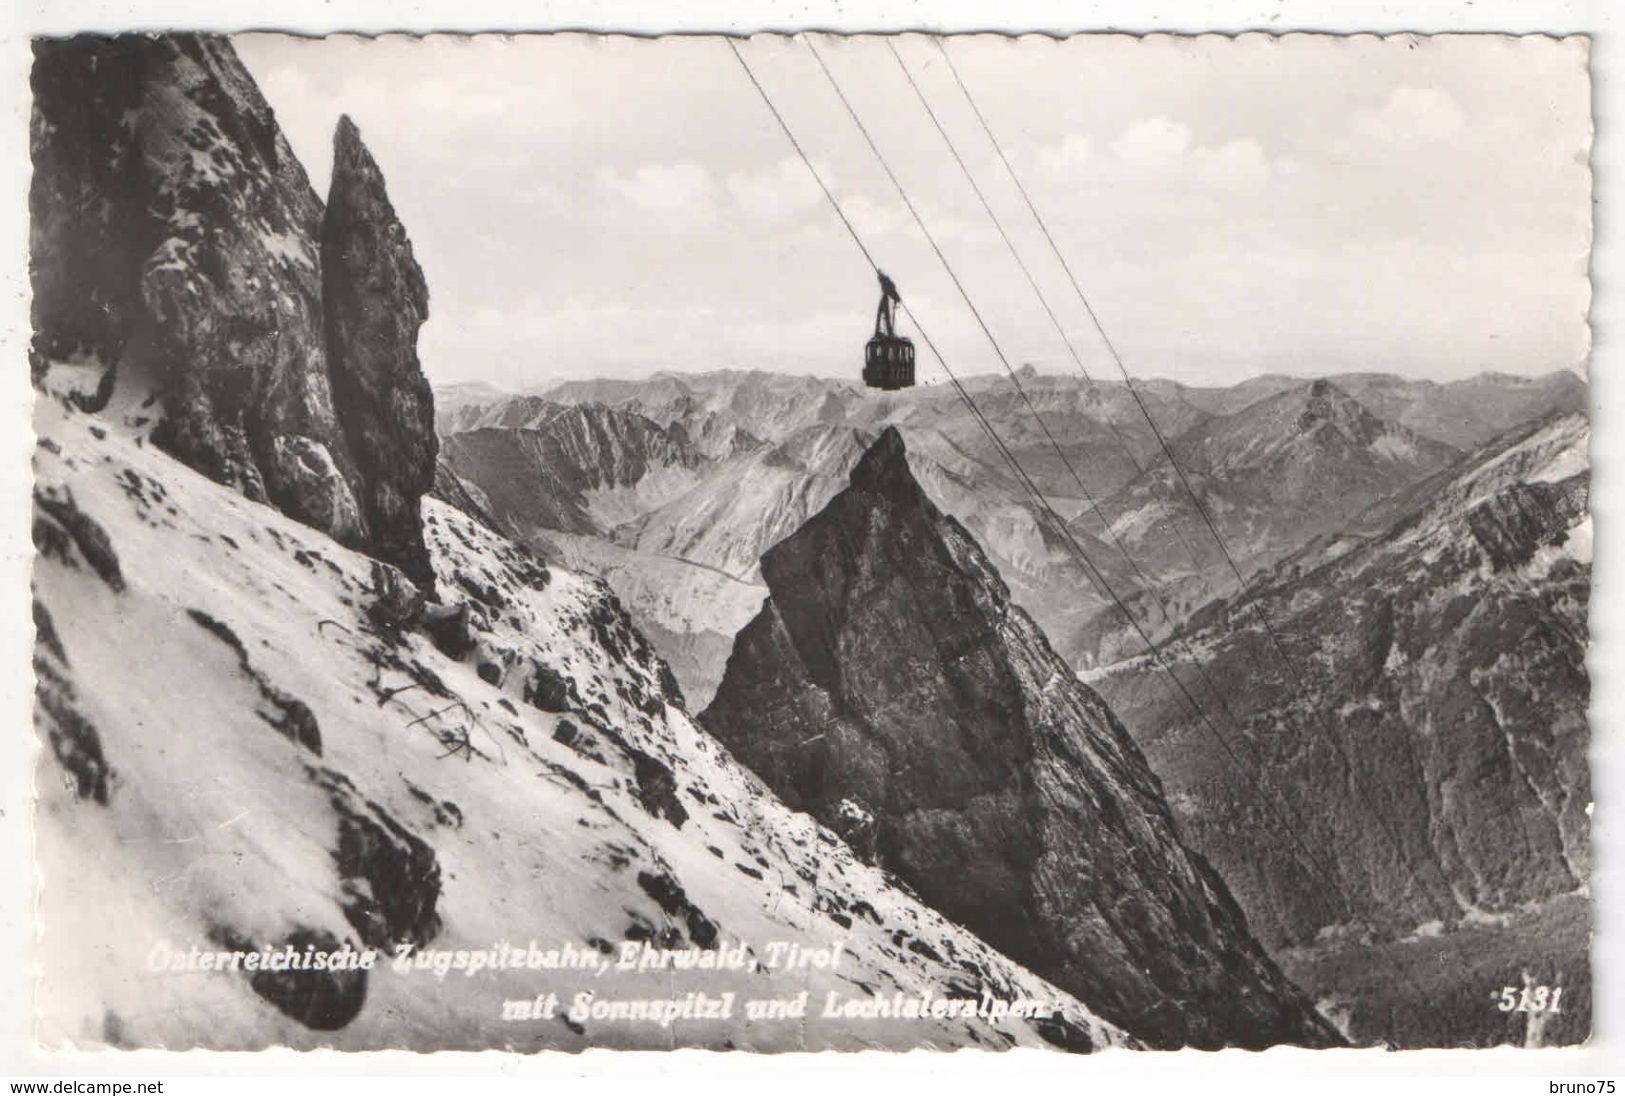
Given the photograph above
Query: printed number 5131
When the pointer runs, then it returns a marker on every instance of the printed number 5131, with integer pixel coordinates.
(1530, 999)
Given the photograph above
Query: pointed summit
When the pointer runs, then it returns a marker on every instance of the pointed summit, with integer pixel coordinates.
(375, 299)
(884, 462)
(1325, 405)
(346, 135)
(890, 688)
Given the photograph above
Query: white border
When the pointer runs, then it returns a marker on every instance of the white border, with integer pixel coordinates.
(1231, 1070)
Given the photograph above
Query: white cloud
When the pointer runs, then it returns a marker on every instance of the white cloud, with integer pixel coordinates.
(544, 198)
(1160, 148)
(1412, 114)
(872, 218)
(665, 187)
(1231, 199)
(780, 191)
(1064, 160)
(1235, 165)
(1153, 142)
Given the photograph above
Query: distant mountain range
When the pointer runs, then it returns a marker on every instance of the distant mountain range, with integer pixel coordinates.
(713, 468)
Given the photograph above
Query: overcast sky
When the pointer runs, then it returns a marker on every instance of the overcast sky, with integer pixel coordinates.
(588, 206)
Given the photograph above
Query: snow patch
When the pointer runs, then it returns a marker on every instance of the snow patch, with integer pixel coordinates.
(287, 247)
(1569, 462)
(1394, 447)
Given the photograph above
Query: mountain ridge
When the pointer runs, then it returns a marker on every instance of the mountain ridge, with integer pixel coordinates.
(747, 490)
(1456, 685)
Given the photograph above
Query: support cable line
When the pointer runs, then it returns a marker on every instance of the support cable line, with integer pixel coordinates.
(1291, 827)
(1094, 318)
(1060, 329)
(1146, 582)
(1245, 593)
(1265, 796)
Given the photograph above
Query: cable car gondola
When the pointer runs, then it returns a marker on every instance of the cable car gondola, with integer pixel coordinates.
(888, 360)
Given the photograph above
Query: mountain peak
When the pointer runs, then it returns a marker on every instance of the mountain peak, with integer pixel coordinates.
(1324, 402)
(353, 160)
(375, 299)
(884, 462)
(178, 239)
(1331, 393)
(346, 133)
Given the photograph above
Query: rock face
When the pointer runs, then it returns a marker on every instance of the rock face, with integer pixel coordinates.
(1520, 519)
(177, 247)
(575, 468)
(888, 678)
(376, 300)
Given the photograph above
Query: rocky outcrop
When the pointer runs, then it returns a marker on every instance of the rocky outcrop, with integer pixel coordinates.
(321, 1000)
(395, 604)
(73, 738)
(177, 247)
(164, 190)
(65, 532)
(889, 676)
(550, 466)
(1517, 521)
(290, 716)
(390, 876)
(376, 299)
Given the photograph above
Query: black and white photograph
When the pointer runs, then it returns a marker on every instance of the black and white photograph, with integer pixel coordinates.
(811, 542)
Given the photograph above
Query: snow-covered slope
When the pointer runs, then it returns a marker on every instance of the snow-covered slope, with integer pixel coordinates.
(689, 611)
(245, 750)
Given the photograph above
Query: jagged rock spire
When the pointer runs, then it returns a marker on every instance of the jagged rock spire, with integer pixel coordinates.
(888, 677)
(376, 299)
(177, 240)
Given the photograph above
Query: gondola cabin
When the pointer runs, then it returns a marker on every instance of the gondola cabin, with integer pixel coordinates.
(888, 362)
(888, 359)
